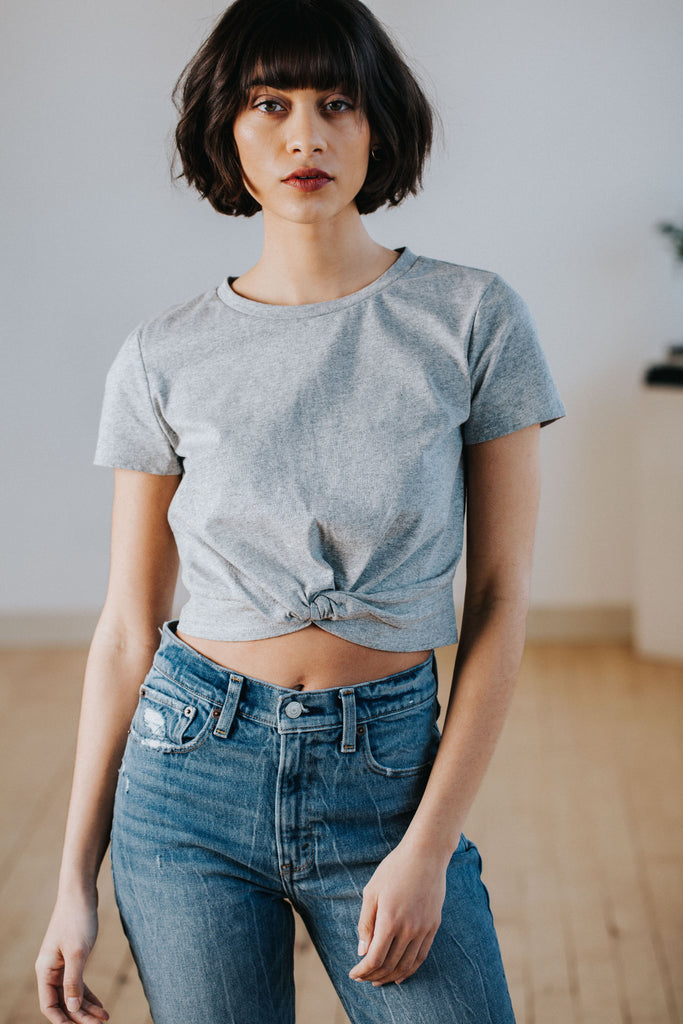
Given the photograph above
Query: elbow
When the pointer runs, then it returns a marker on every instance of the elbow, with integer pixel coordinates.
(125, 637)
(506, 596)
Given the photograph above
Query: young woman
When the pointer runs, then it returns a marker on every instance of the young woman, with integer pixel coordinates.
(299, 440)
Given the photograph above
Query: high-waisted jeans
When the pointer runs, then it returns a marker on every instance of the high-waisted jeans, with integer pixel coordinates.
(237, 800)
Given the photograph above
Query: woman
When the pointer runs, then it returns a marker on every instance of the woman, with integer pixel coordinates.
(299, 439)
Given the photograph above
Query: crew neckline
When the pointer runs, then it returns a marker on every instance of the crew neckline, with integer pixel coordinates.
(404, 262)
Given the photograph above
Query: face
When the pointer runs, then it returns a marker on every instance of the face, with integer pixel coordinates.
(304, 152)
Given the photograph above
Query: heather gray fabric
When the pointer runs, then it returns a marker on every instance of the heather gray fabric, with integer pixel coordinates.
(320, 446)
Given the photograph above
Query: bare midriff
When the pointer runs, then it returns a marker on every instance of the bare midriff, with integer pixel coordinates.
(309, 659)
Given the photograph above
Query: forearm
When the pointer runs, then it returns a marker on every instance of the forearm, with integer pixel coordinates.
(117, 664)
(486, 668)
(402, 902)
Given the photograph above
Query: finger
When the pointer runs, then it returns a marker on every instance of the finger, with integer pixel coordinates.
(396, 966)
(393, 957)
(366, 924)
(90, 996)
(376, 955)
(50, 1008)
(94, 1011)
(420, 957)
(85, 1016)
(53, 1006)
(93, 1005)
(74, 963)
(49, 997)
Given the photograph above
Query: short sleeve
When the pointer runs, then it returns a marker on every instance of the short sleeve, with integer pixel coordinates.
(132, 434)
(510, 382)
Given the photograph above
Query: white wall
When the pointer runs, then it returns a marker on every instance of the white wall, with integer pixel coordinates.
(562, 150)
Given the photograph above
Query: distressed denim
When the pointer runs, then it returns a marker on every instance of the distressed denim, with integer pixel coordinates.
(237, 800)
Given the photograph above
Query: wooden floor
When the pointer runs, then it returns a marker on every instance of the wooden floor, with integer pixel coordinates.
(579, 823)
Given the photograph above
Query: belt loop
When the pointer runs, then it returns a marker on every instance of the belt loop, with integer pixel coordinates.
(229, 707)
(348, 699)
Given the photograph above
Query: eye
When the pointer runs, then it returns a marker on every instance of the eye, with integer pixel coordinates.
(269, 106)
(337, 106)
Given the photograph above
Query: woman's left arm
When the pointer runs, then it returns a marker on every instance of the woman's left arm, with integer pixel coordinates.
(402, 902)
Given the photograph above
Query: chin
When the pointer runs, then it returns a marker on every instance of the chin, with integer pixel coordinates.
(313, 212)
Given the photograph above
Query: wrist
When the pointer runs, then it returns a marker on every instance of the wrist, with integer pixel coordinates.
(80, 867)
(429, 845)
(77, 887)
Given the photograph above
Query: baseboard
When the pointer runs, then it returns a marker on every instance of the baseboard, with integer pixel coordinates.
(47, 629)
(575, 624)
(581, 624)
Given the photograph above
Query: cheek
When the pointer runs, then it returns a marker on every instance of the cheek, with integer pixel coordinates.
(247, 142)
(242, 145)
(362, 161)
(248, 156)
(361, 146)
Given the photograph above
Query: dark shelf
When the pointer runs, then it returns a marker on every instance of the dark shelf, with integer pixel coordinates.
(665, 374)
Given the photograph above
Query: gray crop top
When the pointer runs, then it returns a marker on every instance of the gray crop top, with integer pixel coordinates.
(320, 446)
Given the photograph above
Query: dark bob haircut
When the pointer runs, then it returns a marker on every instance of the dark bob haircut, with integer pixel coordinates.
(290, 44)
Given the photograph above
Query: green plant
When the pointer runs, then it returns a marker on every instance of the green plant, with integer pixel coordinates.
(675, 233)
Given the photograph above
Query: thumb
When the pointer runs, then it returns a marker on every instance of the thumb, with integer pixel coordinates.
(366, 924)
(73, 980)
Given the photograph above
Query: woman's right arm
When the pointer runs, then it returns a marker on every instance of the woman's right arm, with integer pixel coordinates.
(139, 599)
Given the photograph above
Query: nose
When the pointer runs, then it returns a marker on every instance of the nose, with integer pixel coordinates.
(305, 131)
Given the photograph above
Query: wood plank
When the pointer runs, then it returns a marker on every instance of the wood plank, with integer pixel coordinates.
(578, 821)
(43, 726)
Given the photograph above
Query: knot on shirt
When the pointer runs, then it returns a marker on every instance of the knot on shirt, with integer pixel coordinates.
(321, 607)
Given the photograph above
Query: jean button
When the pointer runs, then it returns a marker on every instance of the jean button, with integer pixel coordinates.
(293, 709)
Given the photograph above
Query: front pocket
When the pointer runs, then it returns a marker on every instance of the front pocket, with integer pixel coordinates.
(402, 744)
(170, 718)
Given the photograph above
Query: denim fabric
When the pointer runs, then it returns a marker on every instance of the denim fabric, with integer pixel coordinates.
(238, 799)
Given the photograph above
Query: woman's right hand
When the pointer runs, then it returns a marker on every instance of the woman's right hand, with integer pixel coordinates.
(67, 945)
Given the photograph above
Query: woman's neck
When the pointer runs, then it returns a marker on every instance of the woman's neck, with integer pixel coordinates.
(306, 263)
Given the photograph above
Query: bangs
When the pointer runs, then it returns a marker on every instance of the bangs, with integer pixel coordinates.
(301, 47)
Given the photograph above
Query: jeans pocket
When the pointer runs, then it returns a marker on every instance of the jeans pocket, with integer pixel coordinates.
(170, 718)
(401, 744)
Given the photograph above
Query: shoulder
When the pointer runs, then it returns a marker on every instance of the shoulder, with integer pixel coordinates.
(464, 296)
(445, 282)
(459, 274)
(174, 332)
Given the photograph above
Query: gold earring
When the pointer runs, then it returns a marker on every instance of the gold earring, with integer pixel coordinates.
(374, 151)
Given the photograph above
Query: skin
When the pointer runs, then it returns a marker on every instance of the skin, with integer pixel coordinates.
(315, 248)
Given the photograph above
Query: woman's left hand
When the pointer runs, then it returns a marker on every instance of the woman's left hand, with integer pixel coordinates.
(400, 916)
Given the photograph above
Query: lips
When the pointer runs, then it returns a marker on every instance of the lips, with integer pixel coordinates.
(307, 179)
(304, 173)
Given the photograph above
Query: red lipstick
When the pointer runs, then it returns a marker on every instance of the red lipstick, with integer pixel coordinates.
(307, 179)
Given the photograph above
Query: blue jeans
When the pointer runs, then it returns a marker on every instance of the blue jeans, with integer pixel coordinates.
(238, 800)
